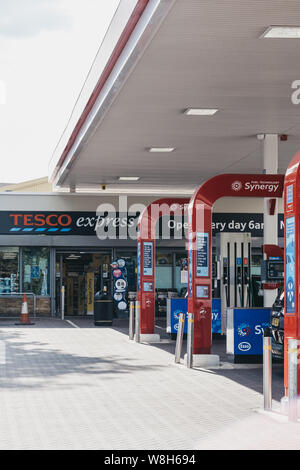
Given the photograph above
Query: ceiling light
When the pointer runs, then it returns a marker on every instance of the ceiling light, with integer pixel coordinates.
(200, 111)
(282, 32)
(161, 149)
(129, 178)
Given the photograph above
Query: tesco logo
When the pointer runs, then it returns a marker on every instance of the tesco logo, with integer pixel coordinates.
(41, 220)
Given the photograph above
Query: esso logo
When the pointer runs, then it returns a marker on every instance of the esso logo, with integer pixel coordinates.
(236, 186)
(244, 347)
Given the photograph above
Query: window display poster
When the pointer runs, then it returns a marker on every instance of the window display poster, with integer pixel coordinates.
(202, 245)
(35, 272)
(90, 293)
(27, 273)
(290, 265)
(148, 258)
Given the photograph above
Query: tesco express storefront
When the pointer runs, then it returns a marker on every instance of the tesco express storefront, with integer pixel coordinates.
(50, 240)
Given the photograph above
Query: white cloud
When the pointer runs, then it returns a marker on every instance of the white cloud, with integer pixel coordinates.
(2, 92)
(19, 18)
(43, 75)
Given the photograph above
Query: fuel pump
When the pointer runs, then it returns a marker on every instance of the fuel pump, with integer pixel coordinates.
(246, 281)
(216, 279)
(272, 268)
(239, 300)
(225, 281)
(234, 252)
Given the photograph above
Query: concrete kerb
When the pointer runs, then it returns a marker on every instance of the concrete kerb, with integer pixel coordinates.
(205, 361)
(151, 338)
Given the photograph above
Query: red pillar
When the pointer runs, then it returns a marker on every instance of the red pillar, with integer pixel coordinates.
(199, 222)
(291, 258)
(146, 256)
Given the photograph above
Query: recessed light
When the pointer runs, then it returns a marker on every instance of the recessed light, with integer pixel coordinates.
(282, 32)
(161, 149)
(200, 111)
(129, 178)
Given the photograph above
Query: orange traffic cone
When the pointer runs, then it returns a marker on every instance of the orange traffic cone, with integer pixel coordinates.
(24, 318)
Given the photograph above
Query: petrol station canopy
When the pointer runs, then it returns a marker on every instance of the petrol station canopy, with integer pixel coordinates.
(160, 58)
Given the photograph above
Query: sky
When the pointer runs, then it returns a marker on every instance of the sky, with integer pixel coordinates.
(46, 50)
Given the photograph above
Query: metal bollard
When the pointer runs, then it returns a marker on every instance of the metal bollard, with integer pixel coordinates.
(131, 320)
(292, 376)
(190, 341)
(137, 321)
(267, 370)
(179, 338)
(63, 302)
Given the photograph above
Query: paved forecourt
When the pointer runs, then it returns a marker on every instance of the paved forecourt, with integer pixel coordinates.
(63, 387)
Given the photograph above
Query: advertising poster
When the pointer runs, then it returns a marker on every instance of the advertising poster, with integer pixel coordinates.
(289, 197)
(190, 265)
(202, 242)
(216, 316)
(80, 293)
(139, 266)
(148, 258)
(290, 265)
(90, 293)
(249, 326)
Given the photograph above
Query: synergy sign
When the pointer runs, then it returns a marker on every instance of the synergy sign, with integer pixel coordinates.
(269, 186)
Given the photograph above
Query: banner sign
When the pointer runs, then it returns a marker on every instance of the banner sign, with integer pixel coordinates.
(248, 329)
(290, 265)
(118, 224)
(66, 223)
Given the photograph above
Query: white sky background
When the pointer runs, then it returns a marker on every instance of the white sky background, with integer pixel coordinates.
(46, 50)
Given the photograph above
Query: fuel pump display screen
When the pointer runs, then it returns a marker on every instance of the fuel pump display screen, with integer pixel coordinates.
(148, 286)
(202, 256)
(202, 292)
(275, 270)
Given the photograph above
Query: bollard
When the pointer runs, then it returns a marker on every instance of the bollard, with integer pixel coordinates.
(267, 370)
(63, 302)
(190, 341)
(292, 378)
(179, 338)
(137, 321)
(131, 321)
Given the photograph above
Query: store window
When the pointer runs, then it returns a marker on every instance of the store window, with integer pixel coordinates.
(181, 272)
(131, 262)
(9, 270)
(36, 277)
(164, 269)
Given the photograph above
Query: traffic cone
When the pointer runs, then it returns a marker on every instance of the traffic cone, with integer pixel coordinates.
(24, 318)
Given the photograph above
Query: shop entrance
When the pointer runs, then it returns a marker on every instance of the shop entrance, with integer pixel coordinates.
(82, 274)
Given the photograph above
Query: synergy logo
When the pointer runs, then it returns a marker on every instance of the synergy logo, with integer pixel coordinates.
(244, 347)
(236, 186)
(255, 186)
(244, 329)
(270, 187)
